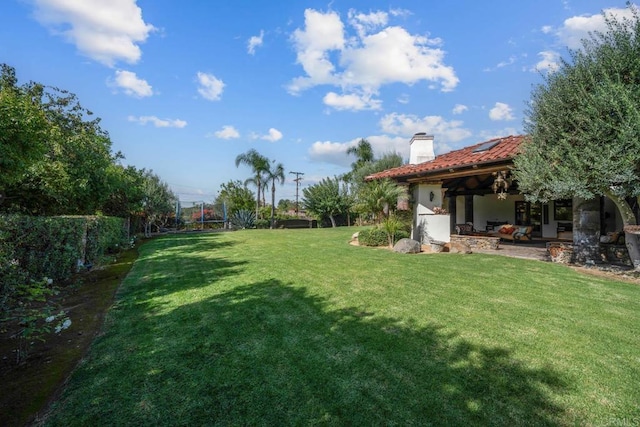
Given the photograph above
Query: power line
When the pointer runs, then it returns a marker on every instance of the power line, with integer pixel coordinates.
(297, 180)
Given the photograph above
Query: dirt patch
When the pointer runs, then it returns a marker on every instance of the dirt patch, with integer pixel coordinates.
(623, 274)
(28, 389)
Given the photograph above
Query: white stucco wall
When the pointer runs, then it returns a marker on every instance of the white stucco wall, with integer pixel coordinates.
(490, 208)
(426, 225)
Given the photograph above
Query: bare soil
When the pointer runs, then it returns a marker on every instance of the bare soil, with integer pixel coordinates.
(28, 389)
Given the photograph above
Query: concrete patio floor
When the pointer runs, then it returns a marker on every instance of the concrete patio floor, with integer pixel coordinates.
(529, 250)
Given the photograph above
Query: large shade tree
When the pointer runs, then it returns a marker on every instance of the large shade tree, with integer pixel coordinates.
(158, 202)
(326, 199)
(23, 128)
(584, 126)
(54, 156)
(236, 196)
(259, 165)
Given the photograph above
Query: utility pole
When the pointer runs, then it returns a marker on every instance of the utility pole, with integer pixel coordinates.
(297, 180)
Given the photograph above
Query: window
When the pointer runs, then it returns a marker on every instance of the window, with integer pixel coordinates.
(562, 210)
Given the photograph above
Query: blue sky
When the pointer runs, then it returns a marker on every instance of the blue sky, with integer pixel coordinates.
(184, 87)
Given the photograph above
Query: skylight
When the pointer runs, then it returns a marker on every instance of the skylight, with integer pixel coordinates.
(486, 146)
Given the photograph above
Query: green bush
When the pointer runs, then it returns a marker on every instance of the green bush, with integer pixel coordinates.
(377, 236)
(33, 248)
(262, 223)
(105, 235)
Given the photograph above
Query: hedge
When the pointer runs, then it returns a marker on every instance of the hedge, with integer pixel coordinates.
(32, 248)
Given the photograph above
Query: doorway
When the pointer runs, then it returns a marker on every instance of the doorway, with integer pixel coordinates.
(528, 213)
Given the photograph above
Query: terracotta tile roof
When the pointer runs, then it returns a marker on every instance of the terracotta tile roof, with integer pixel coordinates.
(504, 150)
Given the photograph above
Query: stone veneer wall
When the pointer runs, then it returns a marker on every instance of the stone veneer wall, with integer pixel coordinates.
(563, 252)
(476, 242)
(615, 254)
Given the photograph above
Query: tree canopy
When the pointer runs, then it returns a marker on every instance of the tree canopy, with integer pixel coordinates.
(236, 196)
(584, 123)
(259, 165)
(326, 199)
(56, 159)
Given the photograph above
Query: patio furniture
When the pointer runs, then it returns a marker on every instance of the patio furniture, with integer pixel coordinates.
(515, 233)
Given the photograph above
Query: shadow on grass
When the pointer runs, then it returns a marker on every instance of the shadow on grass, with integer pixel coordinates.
(176, 263)
(273, 354)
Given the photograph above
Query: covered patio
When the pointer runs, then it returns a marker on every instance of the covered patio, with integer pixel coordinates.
(471, 191)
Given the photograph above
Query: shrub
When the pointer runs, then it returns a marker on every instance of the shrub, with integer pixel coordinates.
(262, 223)
(35, 247)
(243, 219)
(392, 226)
(377, 236)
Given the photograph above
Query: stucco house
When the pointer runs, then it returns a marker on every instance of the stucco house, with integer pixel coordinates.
(474, 186)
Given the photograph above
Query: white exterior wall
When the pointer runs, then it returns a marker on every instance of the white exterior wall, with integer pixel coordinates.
(490, 208)
(426, 225)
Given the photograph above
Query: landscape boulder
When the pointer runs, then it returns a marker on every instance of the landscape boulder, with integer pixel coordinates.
(407, 246)
(459, 248)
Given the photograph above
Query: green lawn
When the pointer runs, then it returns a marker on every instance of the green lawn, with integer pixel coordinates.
(296, 327)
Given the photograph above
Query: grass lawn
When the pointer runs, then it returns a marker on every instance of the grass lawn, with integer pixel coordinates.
(296, 327)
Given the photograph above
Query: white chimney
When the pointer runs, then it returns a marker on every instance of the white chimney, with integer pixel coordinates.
(421, 148)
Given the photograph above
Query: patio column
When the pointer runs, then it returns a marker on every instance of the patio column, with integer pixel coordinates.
(586, 231)
(452, 213)
(468, 208)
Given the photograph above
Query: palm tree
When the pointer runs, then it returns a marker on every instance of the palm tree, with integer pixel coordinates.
(259, 165)
(363, 153)
(276, 173)
(378, 197)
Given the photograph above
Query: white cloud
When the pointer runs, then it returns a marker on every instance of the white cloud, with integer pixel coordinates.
(404, 98)
(330, 152)
(351, 101)
(106, 31)
(210, 86)
(398, 129)
(365, 23)
(129, 82)
(323, 33)
(486, 135)
(254, 42)
(550, 61)
(459, 109)
(407, 125)
(501, 111)
(159, 123)
(576, 28)
(366, 60)
(403, 13)
(547, 29)
(393, 55)
(227, 132)
(273, 135)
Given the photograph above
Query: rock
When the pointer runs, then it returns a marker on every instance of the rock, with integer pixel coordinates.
(459, 248)
(436, 246)
(354, 236)
(407, 246)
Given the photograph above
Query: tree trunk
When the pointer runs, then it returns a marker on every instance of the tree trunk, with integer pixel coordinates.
(333, 221)
(586, 231)
(628, 219)
(273, 207)
(258, 202)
